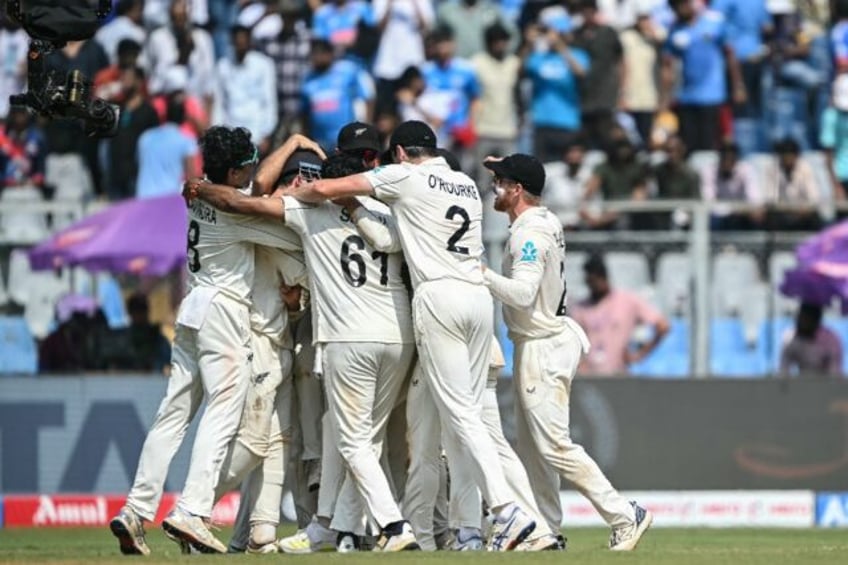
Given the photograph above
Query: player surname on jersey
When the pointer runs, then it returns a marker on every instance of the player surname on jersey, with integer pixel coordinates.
(204, 212)
(466, 190)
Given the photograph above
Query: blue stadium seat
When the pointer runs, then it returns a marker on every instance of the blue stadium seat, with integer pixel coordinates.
(730, 354)
(18, 351)
(671, 357)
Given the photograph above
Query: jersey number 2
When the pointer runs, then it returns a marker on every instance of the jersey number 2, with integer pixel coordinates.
(452, 213)
(347, 257)
(193, 253)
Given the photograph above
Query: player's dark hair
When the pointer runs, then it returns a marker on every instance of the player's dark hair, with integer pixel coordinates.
(414, 152)
(341, 165)
(225, 148)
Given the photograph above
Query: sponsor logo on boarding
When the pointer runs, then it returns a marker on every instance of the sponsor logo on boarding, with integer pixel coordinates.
(832, 509)
(47, 510)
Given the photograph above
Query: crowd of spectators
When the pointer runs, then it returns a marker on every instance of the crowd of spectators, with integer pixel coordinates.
(646, 83)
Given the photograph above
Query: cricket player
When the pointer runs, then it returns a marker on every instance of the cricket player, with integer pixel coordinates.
(210, 358)
(438, 213)
(548, 347)
(363, 330)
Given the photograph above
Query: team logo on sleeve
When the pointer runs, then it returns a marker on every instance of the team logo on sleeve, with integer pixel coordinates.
(529, 252)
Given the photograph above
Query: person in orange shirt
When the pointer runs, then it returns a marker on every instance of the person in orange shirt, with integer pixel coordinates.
(609, 317)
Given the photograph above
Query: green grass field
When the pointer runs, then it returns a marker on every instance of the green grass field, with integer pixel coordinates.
(671, 546)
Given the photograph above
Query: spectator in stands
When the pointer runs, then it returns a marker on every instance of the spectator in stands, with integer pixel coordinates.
(108, 83)
(839, 36)
(247, 90)
(746, 21)
(699, 41)
(166, 155)
(453, 78)
(640, 95)
(13, 69)
(812, 350)
(554, 68)
(833, 136)
(416, 102)
(195, 116)
(150, 351)
(80, 154)
(601, 88)
(675, 179)
(610, 317)
(338, 22)
(496, 122)
(22, 151)
(732, 180)
(469, 19)
(403, 25)
(565, 181)
(182, 43)
(622, 14)
(330, 93)
(791, 187)
(126, 25)
(290, 52)
(623, 176)
(72, 346)
(137, 116)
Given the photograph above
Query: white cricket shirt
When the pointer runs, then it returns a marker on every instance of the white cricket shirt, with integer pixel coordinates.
(221, 248)
(534, 256)
(357, 292)
(268, 314)
(439, 215)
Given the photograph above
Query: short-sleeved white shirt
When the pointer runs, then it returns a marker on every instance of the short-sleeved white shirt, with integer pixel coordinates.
(357, 292)
(439, 215)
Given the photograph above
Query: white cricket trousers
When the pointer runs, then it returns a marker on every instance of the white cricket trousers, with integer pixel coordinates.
(363, 381)
(453, 332)
(263, 430)
(543, 371)
(213, 361)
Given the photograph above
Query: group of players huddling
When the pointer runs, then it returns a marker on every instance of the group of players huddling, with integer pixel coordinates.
(298, 300)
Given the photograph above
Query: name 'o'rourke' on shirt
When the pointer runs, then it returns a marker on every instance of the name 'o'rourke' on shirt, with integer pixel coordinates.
(439, 217)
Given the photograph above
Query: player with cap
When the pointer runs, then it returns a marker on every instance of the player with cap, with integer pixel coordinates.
(360, 140)
(364, 344)
(548, 347)
(438, 213)
(210, 357)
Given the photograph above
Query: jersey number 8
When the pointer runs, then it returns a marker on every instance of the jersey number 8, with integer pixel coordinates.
(193, 253)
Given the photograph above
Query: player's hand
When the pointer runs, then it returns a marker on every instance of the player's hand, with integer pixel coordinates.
(191, 189)
(306, 144)
(349, 202)
(291, 296)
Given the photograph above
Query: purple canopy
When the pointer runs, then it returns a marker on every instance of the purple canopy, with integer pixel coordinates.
(146, 237)
(822, 271)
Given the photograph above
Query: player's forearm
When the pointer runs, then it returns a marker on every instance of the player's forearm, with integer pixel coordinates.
(227, 199)
(377, 229)
(514, 292)
(329, 189)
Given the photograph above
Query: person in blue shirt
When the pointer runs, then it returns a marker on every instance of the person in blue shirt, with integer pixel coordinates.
(554, 69)
(455, 79)
(746, 22)
(330, 93)
(165, 154)
(699, 41)
(338, 22)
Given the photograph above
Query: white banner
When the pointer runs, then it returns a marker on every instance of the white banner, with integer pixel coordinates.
(719, 509)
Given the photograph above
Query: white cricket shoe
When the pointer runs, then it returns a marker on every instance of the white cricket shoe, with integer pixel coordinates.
(403, 541)
(312, 539)
(547, 542)
(192, 529)
(467, 539)
(128, 527)
(626, 538)
(263, 539)
(511, 527)
(347, 542)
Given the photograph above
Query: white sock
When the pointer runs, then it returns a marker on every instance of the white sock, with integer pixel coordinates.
(263, 534)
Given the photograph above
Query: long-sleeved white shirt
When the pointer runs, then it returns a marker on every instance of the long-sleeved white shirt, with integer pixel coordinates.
(247, 94)
(160, 54)
(532, 288)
